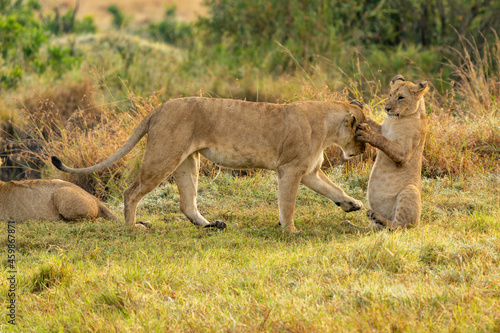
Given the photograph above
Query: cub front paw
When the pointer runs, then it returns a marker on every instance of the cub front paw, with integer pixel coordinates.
(363, 132)
(363, 127)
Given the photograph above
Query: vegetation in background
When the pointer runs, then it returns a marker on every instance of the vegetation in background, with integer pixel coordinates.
(267, 51)
(70, 91)
(120, 19)
(322, 27)
(63, 20)
(171, 31)
(24, 41)
(322, 23)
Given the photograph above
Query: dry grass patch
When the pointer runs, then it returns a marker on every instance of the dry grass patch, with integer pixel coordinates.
(439, 276)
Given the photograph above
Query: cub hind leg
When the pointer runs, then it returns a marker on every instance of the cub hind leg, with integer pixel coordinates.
(406, 212)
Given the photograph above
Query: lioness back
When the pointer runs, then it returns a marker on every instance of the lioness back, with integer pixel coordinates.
(240, 134)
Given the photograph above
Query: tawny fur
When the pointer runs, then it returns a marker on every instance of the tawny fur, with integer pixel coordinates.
(48, 200)
(287, 138)
(395, 180)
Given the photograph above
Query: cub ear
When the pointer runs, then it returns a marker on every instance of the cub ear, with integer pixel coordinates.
(350, 120)
(397, 78)
(420, 87)
(357, 103)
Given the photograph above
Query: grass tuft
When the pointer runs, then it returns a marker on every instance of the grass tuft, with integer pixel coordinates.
(50, 275)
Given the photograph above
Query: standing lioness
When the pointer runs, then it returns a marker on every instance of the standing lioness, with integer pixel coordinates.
(395, 180)
(288, 138)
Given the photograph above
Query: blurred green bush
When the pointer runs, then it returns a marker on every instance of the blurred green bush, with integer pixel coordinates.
(171, 31)
(25, 30)
(317, 24)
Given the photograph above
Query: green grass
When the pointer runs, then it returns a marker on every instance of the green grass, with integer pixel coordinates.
(99, 276)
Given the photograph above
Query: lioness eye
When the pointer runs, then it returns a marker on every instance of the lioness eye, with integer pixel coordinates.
(400, 98)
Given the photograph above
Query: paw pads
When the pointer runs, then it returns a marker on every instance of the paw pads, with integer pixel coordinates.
(218, 224)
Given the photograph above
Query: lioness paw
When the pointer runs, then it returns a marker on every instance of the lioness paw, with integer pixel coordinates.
(351, 206)
(218, 224)
(147, 224)
(140, 227)
(290, 230)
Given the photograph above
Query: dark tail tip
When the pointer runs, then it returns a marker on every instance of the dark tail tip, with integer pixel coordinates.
(57, 162)
(357, 103)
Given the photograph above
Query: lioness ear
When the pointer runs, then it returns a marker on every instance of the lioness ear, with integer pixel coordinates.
(420, 87)
(397, 78)
(357, 103)
(350, 120)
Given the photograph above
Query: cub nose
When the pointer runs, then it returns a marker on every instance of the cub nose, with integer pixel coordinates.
(387, 108)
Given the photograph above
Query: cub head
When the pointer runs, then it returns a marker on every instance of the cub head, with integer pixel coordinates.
(354, 116)
(404, 97)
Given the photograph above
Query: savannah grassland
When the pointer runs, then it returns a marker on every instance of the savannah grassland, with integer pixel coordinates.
(77, 92)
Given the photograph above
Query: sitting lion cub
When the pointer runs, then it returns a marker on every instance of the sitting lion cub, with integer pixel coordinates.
(395, 180)
(48, 200)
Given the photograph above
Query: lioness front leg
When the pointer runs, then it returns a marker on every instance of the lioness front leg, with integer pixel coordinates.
(288, 187)
(320, 183)
(406, 213)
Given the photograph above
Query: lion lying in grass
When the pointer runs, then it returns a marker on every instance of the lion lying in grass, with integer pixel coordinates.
(48, 200)
(287, 138)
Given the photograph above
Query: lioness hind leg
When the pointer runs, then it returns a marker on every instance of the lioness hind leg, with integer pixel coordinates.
(407, 211)
(186, 178)
(73, 204)
(155, 168)
(320, 183)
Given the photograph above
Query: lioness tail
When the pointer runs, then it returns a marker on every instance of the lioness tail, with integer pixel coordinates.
(136, 136)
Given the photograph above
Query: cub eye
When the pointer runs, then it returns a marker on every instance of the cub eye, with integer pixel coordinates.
(400, 98)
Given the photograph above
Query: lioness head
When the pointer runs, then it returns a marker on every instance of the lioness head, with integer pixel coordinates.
(350, 146)
(404, 97)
